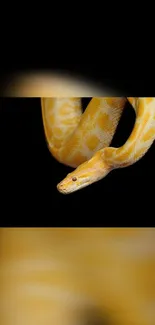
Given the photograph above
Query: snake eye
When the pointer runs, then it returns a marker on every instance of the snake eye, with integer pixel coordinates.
(74, 179)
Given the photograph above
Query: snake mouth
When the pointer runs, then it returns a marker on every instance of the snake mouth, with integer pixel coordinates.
(62, 189)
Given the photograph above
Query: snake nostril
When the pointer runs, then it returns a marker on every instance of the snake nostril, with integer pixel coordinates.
(74, 179)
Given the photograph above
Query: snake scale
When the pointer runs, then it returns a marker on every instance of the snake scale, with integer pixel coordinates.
(82, 140)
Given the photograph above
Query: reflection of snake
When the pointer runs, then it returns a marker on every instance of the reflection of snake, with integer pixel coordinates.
(82, 140)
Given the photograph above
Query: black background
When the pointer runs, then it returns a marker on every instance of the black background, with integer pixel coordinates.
(29, 175)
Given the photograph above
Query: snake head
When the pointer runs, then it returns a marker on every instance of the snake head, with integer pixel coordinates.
(84, 175)
(74, 181)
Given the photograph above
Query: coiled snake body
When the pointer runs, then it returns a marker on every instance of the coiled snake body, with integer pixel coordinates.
(82, 140)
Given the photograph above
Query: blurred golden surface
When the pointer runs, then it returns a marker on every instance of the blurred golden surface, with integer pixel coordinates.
(54, 84)
(61, 276)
